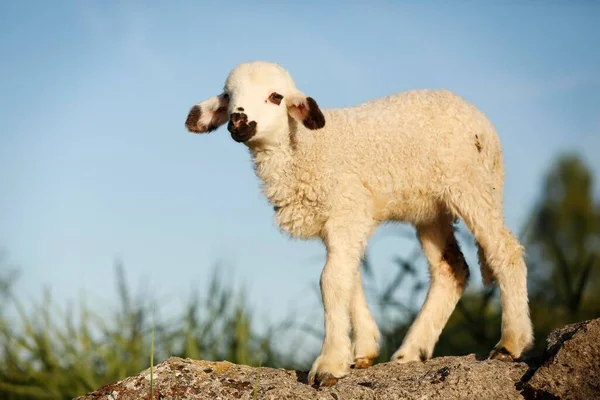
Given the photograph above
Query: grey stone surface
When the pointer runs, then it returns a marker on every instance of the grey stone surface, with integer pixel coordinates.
(568, 370)
(571, 364)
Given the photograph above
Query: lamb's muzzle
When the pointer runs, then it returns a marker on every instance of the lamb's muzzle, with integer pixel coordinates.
(241, 130)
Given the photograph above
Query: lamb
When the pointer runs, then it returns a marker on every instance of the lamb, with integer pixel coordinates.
(423, 157)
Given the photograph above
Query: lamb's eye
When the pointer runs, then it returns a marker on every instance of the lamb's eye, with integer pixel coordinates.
(275, 98)
(226, 96)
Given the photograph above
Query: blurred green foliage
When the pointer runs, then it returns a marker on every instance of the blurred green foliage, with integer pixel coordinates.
(48, 353)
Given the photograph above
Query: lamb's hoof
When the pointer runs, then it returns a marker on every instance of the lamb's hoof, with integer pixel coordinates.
(322, 379)
(501, 354)
(362, 363)
(404, 356)
(326, 371)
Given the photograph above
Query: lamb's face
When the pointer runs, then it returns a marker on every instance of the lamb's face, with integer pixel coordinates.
(257, 101)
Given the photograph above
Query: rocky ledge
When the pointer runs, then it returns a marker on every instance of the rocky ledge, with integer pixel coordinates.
(569, 369)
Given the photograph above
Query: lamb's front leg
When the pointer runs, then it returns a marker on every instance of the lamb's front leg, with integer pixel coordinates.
(365, 333)
(345, 241)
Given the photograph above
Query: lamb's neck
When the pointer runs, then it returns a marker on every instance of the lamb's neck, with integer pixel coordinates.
(274, 166)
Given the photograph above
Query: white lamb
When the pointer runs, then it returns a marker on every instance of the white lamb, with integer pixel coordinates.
(426, 157)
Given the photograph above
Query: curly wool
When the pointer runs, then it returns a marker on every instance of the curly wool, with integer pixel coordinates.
(424, 157)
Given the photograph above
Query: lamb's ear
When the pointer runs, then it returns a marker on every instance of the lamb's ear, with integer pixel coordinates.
(306, 110)
(208, 115)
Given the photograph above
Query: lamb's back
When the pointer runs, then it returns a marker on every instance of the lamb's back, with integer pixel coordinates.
(416, 141)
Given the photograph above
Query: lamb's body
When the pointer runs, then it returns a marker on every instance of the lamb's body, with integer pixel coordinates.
(406, 151)
(426, 157)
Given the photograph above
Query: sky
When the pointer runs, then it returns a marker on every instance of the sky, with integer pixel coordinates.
(96, 165)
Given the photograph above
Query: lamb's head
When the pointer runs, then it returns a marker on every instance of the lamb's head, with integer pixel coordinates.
(259, 101)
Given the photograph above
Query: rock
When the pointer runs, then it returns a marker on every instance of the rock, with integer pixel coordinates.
(571, 364)
(569, 369)
(450, 377)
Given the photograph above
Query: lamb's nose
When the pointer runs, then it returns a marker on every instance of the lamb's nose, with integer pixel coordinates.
(238, 119)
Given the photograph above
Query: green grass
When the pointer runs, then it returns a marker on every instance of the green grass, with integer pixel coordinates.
(152, 363)
(256, 384)
(47, 352)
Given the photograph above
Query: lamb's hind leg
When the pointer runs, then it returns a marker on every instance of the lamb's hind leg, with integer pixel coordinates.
(365, 344)
(501, 257)
(449, 274)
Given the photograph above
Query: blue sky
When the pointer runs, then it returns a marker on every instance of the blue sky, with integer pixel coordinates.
(95, 162)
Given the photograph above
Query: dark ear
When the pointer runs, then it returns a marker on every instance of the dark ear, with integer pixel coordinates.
(208, 115)
(306, 110)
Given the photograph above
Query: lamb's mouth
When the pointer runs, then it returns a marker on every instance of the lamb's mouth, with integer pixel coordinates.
(242, 133)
